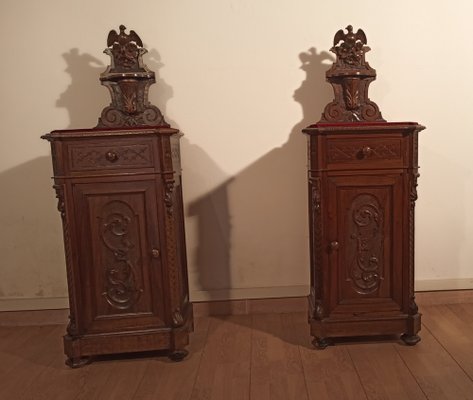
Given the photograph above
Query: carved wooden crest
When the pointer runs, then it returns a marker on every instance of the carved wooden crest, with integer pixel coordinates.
(128, 81)
(350, 76)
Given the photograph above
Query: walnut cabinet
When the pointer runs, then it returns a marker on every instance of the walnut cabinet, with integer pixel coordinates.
(120, 199)
(362, 193)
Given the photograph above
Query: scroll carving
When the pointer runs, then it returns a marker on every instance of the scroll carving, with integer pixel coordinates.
(316, 232)
(367, 234)
(413, 309)
(171, 249)
(120, 291)
(71, 327)
(350, 77)
(128, 80)
(177, 318)
(60, 201)
(168, 196)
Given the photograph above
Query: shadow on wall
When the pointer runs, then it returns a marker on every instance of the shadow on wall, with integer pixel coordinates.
(209, 260)
(84, 70)
(255, 224)
(32, 247)
(31, 237)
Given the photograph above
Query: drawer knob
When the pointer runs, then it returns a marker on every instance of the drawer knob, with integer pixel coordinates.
(155, 253)
(111, 156)
(334, 245)
(366, 151)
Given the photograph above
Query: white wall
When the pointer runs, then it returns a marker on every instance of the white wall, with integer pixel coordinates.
(230, 78)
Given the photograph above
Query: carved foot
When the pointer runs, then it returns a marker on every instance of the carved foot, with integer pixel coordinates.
(78, 362)
(410, 340)
(178, 355)
(320, 343)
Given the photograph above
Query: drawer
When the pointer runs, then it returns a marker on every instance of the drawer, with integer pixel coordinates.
(99, 156)
(364, 153)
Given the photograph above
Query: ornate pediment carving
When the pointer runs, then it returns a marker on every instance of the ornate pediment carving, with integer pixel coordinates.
(350, 76)
(128, 79)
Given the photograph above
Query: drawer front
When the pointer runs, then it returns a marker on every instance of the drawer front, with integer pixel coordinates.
(83, 157)
(364, 153)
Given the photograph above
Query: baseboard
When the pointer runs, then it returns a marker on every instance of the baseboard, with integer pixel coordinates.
(429, 285)
(249, 293)
(35, 317)
(58, 303)
(232, 307)
(33, 303)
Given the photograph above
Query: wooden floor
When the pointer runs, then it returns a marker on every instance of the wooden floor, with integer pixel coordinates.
(259, 357)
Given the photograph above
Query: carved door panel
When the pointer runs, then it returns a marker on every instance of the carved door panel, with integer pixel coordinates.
(365, 247)
(121, 272)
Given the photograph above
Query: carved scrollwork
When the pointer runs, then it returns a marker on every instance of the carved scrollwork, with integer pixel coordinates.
(120, 281)
(332, 112)
(350, 76)
(315, 194)
(171, 247)
(60, 200)
(413, 309)
(177, 318)
(128, 80)
(316, 233)
(169, 196)
(72, 326)
(367, 232)
(413, 191)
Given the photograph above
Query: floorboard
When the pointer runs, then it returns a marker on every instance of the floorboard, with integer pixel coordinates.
(253, 356)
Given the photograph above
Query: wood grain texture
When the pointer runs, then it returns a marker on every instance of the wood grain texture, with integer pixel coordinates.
(256, 357)
(120, 200)
(437, 373)
(276, 366)
(362, 191)
(224, 372)
(452, 326)
(383, 373)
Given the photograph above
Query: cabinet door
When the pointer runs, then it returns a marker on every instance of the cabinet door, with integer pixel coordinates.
(365, 218)
(119, 265)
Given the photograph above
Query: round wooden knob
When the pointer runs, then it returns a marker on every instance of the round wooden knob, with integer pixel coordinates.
(111, 156)
(155, 253)
(366, 151)
(334, 245)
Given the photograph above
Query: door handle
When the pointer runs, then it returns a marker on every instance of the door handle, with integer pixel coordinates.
(155, 253)
(334, 245)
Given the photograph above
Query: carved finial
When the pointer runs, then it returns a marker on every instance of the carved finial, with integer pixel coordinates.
(128, 81)
(350, 76)
(352, 50)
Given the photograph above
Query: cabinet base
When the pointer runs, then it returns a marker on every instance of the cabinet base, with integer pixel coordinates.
(410, 340)
(78, 362)
(178, 355)
(321, 343)
(327, 329)
(81, 349)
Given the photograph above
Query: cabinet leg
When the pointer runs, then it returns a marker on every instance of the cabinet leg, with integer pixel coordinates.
(320, 343)
(77, 362)
(410, 340)
(178, 355)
